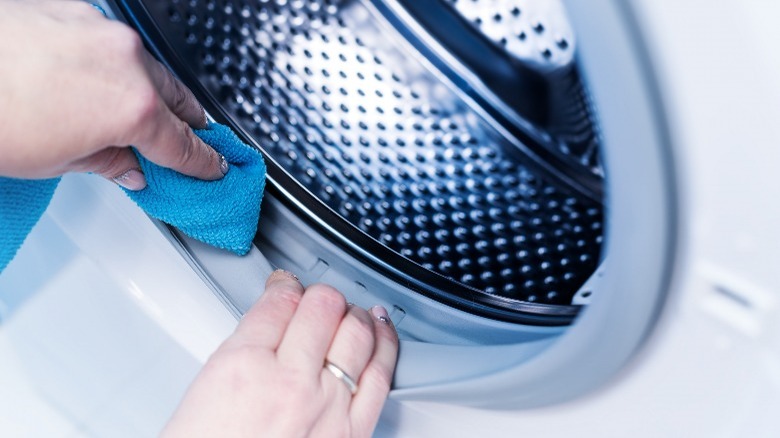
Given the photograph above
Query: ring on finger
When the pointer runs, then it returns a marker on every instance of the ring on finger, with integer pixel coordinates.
(342, 375)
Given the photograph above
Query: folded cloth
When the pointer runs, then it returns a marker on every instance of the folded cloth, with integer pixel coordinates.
(222, 213)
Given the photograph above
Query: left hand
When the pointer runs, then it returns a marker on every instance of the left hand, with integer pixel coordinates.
(77, 89)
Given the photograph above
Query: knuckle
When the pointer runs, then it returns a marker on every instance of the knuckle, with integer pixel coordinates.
(329, 297)
(180, 98)
(110, 164)
(234, 366)
(123, 41)
(189, 152)
(143, 107)
(359, 331)
(281, 300)
(288, 294)
(297, 383)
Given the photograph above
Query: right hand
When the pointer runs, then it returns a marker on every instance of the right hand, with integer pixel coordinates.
(78, 89)
(267, 379)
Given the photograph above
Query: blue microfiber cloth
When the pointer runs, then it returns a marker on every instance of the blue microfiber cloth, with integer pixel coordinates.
(222, 213)
(22, 202)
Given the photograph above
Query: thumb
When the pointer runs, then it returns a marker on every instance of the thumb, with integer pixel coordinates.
(118, 164)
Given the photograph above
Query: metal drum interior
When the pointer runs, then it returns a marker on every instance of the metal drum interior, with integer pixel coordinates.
(367, 132)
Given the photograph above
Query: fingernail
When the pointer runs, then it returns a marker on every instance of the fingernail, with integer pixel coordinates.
(99, 9)
(287, 274)
(223, 165)
(204, 118)
(380, 313)
(133, 180)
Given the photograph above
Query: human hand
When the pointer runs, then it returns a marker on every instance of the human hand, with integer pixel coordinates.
(267, 379)
(78, 89)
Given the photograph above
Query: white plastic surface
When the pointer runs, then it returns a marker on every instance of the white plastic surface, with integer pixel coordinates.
(712, 367)
(103, 322)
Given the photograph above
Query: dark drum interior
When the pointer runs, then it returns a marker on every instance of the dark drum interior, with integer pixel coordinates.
(452, 142)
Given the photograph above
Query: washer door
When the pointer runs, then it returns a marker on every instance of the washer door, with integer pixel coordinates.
(467, 197)
(468, 188)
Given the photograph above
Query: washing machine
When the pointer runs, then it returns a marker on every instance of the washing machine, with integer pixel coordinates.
(569, 209)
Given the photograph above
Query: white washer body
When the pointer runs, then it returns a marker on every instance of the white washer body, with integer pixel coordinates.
(104, 323)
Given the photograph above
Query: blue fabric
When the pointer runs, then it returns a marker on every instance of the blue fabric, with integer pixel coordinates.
(22, 202)
(222, 213)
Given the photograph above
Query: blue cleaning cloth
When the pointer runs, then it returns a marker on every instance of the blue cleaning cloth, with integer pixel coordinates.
(22, 202)
(222, 213)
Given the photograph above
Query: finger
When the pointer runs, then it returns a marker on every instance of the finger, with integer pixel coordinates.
(353, 344)
(264, 324)
(117, 164)
(73, 10)
(169, 142)
(375, 382)
(350, 351)
(176, 96)
(312, 329)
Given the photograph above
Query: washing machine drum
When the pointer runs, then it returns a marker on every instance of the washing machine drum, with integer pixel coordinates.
(451, 140)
